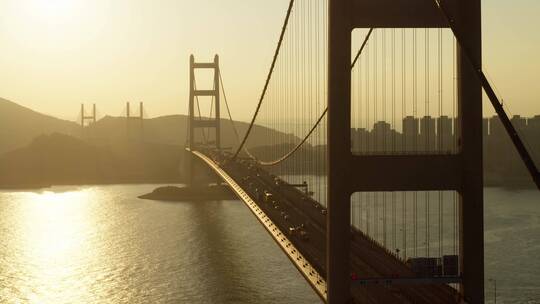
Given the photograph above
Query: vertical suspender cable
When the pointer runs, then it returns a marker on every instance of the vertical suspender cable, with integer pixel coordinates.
(454, 144)
(394, 131)
(403, 141)
(385, 131)
(440, 133)
(291, 3)
(427, 129)
(415, 194)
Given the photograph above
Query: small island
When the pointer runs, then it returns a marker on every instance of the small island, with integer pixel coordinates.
(191, 193)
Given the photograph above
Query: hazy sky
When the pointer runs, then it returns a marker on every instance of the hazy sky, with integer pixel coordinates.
(58, 53)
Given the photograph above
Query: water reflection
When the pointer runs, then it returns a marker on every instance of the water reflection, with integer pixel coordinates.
(55, 224)
(51, 239)
(102, 245)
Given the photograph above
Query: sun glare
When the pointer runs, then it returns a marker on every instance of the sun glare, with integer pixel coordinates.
(55, 220)
(53, 245)
(53, 11)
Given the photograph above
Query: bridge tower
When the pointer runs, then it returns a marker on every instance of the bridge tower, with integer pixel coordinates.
(135, 119)
(87, 119)
(194, 93)
(196, 121)
(461, 172)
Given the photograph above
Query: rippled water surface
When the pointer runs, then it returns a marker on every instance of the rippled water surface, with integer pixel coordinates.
(103, 245)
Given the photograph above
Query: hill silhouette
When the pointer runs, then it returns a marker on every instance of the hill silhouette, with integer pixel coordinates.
(40, 150)
(172, 130)
(20, 125)
(58, 159)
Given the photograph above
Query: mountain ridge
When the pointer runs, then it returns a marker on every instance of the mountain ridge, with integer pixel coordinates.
(19, 125)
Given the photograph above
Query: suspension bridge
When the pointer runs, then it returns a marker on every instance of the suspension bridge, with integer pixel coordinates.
(373, 186)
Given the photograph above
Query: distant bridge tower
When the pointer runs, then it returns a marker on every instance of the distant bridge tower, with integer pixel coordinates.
(194, 93)
(87, 119)
(135, 123)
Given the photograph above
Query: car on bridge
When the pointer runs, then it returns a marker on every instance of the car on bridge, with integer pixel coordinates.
(299, 231)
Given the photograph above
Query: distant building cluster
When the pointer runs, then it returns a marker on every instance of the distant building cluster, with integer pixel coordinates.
(525, 126)
(502, 164)
(432, 135)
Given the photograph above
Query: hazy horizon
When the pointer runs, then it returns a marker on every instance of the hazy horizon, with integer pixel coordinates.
(59, 54)
(408, 196)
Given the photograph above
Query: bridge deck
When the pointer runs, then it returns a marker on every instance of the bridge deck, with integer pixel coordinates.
(297, 223)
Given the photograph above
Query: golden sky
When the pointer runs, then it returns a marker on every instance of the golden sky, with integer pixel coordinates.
(58, 53)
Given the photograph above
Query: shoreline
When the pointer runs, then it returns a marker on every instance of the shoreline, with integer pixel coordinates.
(39, 186)
(89, 184)
(190, 193)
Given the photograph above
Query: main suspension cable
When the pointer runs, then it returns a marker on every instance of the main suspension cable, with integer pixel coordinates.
(203, 130)
(494, 99)
(283, 29)
(243, 142)
(321, 117)
(227, 106)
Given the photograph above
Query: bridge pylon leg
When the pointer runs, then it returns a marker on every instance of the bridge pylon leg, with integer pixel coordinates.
(348, 173)
(339, 153)
(468, 21)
